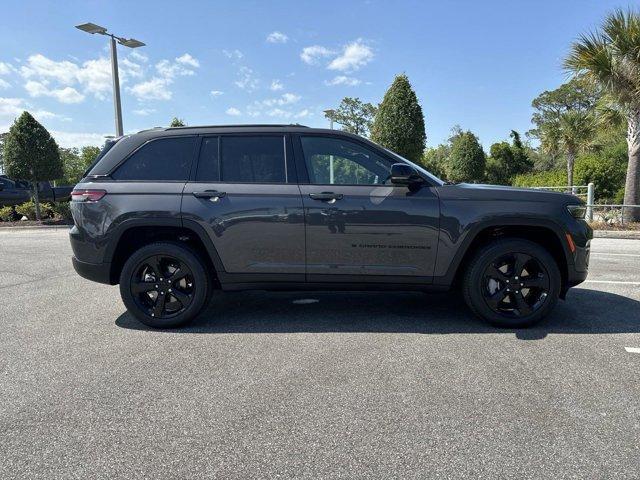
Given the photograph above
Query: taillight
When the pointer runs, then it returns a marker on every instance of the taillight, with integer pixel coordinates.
(87, 195)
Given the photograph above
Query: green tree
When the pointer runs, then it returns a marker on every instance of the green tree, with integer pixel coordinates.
(75, 162)
(610, 59)
(399, 122)
(177, 122)
(435, 160)
(3, 136)
(570, 134)
(354, 115)
(507, 160)
(467, 159)
(30, 153)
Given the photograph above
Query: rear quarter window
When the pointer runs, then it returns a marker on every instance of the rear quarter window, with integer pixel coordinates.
(164, 159)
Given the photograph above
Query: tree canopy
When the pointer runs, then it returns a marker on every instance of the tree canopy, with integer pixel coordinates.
(399, 122)
(354, 115)
(177, 122)
(467, 158)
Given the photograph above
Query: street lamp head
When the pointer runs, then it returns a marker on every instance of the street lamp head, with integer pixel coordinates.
(329, 113)
(131, 42)
(92, 28)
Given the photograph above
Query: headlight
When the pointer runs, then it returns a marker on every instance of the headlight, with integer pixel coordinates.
(577, 211)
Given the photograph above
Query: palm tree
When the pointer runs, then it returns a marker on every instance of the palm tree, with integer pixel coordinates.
(570, 133)
(610, 59)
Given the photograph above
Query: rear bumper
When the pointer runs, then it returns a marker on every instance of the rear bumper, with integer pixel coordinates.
(96, 272)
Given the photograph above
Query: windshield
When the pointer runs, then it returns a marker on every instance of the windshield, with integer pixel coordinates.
(429, 175)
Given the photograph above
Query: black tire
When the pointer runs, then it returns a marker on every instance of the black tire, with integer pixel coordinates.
(164, 302)
(493, 274)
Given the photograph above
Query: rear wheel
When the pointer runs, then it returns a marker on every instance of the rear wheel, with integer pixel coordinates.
(164, 285)
(512, 283)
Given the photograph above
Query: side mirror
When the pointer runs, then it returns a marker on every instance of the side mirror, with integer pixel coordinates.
(403, 174)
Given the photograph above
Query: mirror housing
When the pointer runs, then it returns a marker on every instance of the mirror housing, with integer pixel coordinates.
(403, 174)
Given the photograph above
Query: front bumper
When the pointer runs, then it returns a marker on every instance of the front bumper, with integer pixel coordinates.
(96, 272)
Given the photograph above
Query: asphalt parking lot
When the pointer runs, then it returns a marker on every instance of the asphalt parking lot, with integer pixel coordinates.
(355, 385)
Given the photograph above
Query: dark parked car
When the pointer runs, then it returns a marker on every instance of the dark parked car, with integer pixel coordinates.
(173, 213)
(15, 192)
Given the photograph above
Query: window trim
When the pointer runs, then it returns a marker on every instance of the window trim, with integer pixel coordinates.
(290, 170)
(194, 152)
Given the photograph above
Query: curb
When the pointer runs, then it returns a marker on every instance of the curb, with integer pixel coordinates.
(622, 234)
(35, 227)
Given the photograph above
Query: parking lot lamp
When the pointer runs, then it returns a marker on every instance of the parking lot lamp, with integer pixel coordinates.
(92, 28)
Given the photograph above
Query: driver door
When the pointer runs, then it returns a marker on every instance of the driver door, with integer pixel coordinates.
(358, 226)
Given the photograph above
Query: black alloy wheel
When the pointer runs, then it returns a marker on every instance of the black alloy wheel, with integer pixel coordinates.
(164, 284)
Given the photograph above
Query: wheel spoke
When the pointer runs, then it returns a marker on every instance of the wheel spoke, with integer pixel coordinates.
(534, 282)
(497, 297)
(181, 272)
(495, 273)
(520, 259)
(154, 263)
(522, 305)
(158, 308)
(183, 298)
(143, 287)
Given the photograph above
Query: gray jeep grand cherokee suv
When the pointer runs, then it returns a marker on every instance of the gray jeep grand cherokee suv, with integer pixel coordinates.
(173, 213)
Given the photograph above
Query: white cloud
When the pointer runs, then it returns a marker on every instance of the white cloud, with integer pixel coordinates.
(343, 80)
(39, 66)
(10, 108)
(78, 139)
(284, 99)
(235, 54)
(276, 85)
(169, 69)
(154, 89)
(132, 69)
(303, 113)
(143, 112)
(313, 54)
(216, 93)
(63, 95)
(187, 59)
(277, 37)
(354, 56)
(6, 68)
(287, 114)
(247, 80)
(234, 112)
(136, 55)
(4, 84)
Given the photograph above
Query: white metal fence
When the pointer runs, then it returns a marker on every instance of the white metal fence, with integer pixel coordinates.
(608, 213)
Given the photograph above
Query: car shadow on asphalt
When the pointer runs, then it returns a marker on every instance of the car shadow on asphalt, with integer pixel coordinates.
(584, 312)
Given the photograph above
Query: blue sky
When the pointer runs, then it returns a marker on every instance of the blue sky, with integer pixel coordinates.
(473, 63)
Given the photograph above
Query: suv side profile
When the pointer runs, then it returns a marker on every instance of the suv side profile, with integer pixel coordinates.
(171, 214)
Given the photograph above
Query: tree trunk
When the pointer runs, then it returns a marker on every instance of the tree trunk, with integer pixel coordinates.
(632, 187)
(36, 199)
(571, 159)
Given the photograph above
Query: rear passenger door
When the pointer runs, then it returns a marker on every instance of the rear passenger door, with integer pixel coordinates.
(244, 193)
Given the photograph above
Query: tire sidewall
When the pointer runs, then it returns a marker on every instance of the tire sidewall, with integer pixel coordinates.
(185, 255)
(474, 281)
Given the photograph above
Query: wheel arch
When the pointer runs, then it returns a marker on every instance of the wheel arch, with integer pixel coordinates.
(545, 233)
(135, 233)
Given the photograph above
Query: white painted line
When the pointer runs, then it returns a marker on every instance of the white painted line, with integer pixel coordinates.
(305, 301)
(632, 349)
(616, 254)
(615, 282)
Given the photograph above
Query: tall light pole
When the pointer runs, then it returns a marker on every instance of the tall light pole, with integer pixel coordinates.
(131, 43)
(330, 114)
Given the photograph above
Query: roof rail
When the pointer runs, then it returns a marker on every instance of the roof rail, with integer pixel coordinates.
(241, 125)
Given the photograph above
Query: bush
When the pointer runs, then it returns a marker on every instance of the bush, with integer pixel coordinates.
(61, 211)
(7, 214)
(467, 159)
(28, 209)
(607, 175)
(550, 178)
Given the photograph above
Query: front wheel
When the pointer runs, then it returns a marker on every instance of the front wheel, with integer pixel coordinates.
(164, 285)
(512, 283)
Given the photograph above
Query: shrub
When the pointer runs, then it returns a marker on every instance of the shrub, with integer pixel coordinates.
(607, 175)
(28, 209)
(61, 210)
(6, 214)
(467, 159)
(550, 178)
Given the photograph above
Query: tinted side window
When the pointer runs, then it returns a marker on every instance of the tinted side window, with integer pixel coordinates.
(160, 160)
(341, 162)
(209, 162)
(253, 159)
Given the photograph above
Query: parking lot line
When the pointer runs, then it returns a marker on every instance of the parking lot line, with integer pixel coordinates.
(616, 254)
(615, 282)
(632, 349)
